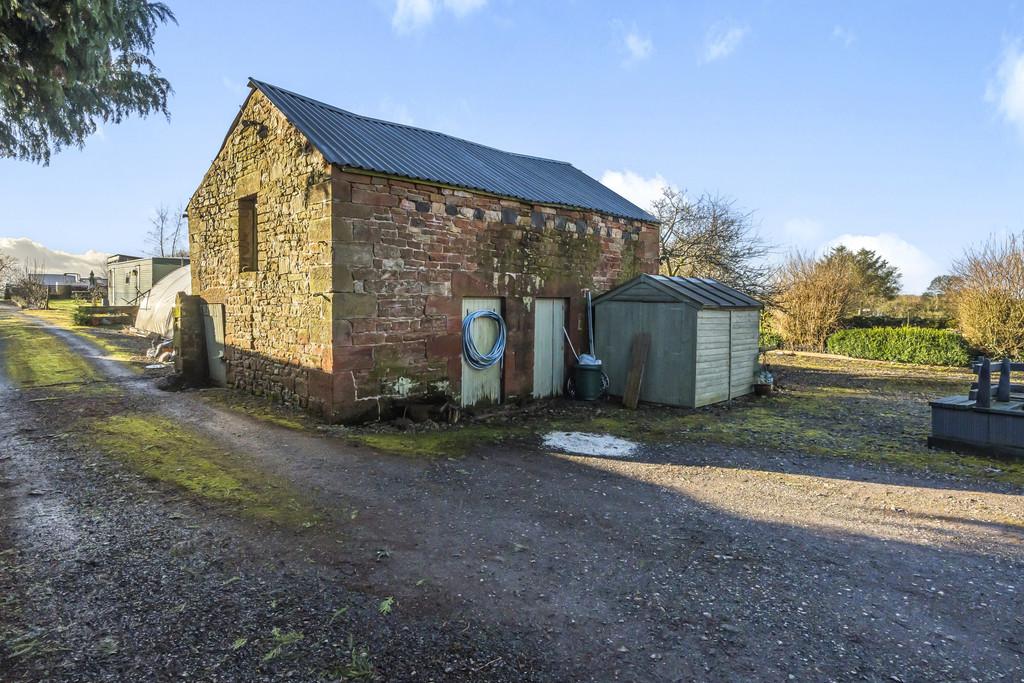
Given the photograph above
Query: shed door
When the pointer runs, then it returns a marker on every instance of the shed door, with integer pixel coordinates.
(213, 330)
(481, 386)
(548, 347)
(712, 379)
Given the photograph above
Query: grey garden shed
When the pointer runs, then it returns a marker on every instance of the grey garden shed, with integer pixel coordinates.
(704, 338)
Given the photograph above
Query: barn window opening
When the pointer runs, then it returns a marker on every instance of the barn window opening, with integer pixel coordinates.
(248, 253)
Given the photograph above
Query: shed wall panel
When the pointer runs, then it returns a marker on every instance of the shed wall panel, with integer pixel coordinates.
(668, 374)
(744, 350)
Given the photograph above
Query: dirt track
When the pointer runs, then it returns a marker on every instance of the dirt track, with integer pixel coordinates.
(685, 563)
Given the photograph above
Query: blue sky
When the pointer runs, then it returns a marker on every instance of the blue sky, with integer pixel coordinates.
(898, 126)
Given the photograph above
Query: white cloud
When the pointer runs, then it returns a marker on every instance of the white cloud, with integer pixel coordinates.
(234, 87)
(461, 8)
(800, 231)
(1007, 91)
(721, 41)
(916, 267)
(412, 15)
(35, 255)
(634, 187)
(639, 47)
(844, 35)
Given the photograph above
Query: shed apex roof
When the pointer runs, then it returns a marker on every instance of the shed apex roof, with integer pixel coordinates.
(699, 291)
(359, 142)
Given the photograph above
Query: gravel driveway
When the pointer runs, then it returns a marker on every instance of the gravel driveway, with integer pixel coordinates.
(692, 562)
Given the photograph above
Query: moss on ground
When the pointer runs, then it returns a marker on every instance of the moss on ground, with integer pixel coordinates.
(444, 443)
(861, 410)
(119, 347)
(33, 357)
(260, 408)
(165, 451)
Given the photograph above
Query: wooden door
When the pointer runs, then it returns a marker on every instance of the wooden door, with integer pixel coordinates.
(481, 386)
(548, 347)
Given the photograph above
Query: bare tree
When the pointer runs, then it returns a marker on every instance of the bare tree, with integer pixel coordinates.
(988, 291)
(7, 266)
(168, 234)
(710, 237)
(813, 293)
(28, 289)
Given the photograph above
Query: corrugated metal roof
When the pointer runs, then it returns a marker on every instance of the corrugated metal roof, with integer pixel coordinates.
(708, 292)
(702, 292)
(358, 142)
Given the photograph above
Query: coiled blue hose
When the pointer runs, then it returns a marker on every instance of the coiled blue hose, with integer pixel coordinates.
(482, 361)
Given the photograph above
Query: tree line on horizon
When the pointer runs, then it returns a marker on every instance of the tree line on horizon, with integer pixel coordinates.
(808, 297)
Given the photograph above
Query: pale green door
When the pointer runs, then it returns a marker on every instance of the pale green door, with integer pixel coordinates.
(481, 386)
(548, 347)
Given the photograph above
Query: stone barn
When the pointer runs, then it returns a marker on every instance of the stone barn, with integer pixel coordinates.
(339, 254)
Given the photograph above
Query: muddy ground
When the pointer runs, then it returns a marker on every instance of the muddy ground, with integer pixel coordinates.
(690, 561)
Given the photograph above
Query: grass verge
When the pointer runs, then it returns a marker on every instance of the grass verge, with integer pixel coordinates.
(119, 347)
(35, 358)
(259, 408)
(163, 450)
(445, 443)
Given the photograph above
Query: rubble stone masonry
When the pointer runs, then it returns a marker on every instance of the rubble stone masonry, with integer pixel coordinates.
(356, 302)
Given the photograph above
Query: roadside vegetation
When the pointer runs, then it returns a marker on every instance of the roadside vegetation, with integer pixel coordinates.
(33, 357)
(163, 450)
(48, 369)
(117, 346)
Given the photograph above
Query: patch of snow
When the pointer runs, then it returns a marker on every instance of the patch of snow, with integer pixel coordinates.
(582, 443)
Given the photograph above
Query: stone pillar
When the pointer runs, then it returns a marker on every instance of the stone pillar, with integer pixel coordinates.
(190, 341)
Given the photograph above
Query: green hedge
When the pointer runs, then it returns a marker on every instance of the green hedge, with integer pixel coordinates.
(769, 340)
(862, 321)
(902, 345)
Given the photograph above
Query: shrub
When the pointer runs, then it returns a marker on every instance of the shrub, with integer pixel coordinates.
(989, 294)
(814, 294)
(769, 340)
(902, 345)
(28, 292)
(940, 322)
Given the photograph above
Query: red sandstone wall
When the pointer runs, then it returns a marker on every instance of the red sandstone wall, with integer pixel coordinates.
(405, 254)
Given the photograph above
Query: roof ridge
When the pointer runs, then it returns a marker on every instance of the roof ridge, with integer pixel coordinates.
(263, 84)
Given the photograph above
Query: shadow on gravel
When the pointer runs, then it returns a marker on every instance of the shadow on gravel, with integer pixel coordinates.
(505, 565)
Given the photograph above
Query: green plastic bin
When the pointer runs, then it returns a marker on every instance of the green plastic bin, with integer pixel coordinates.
(587, 379)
